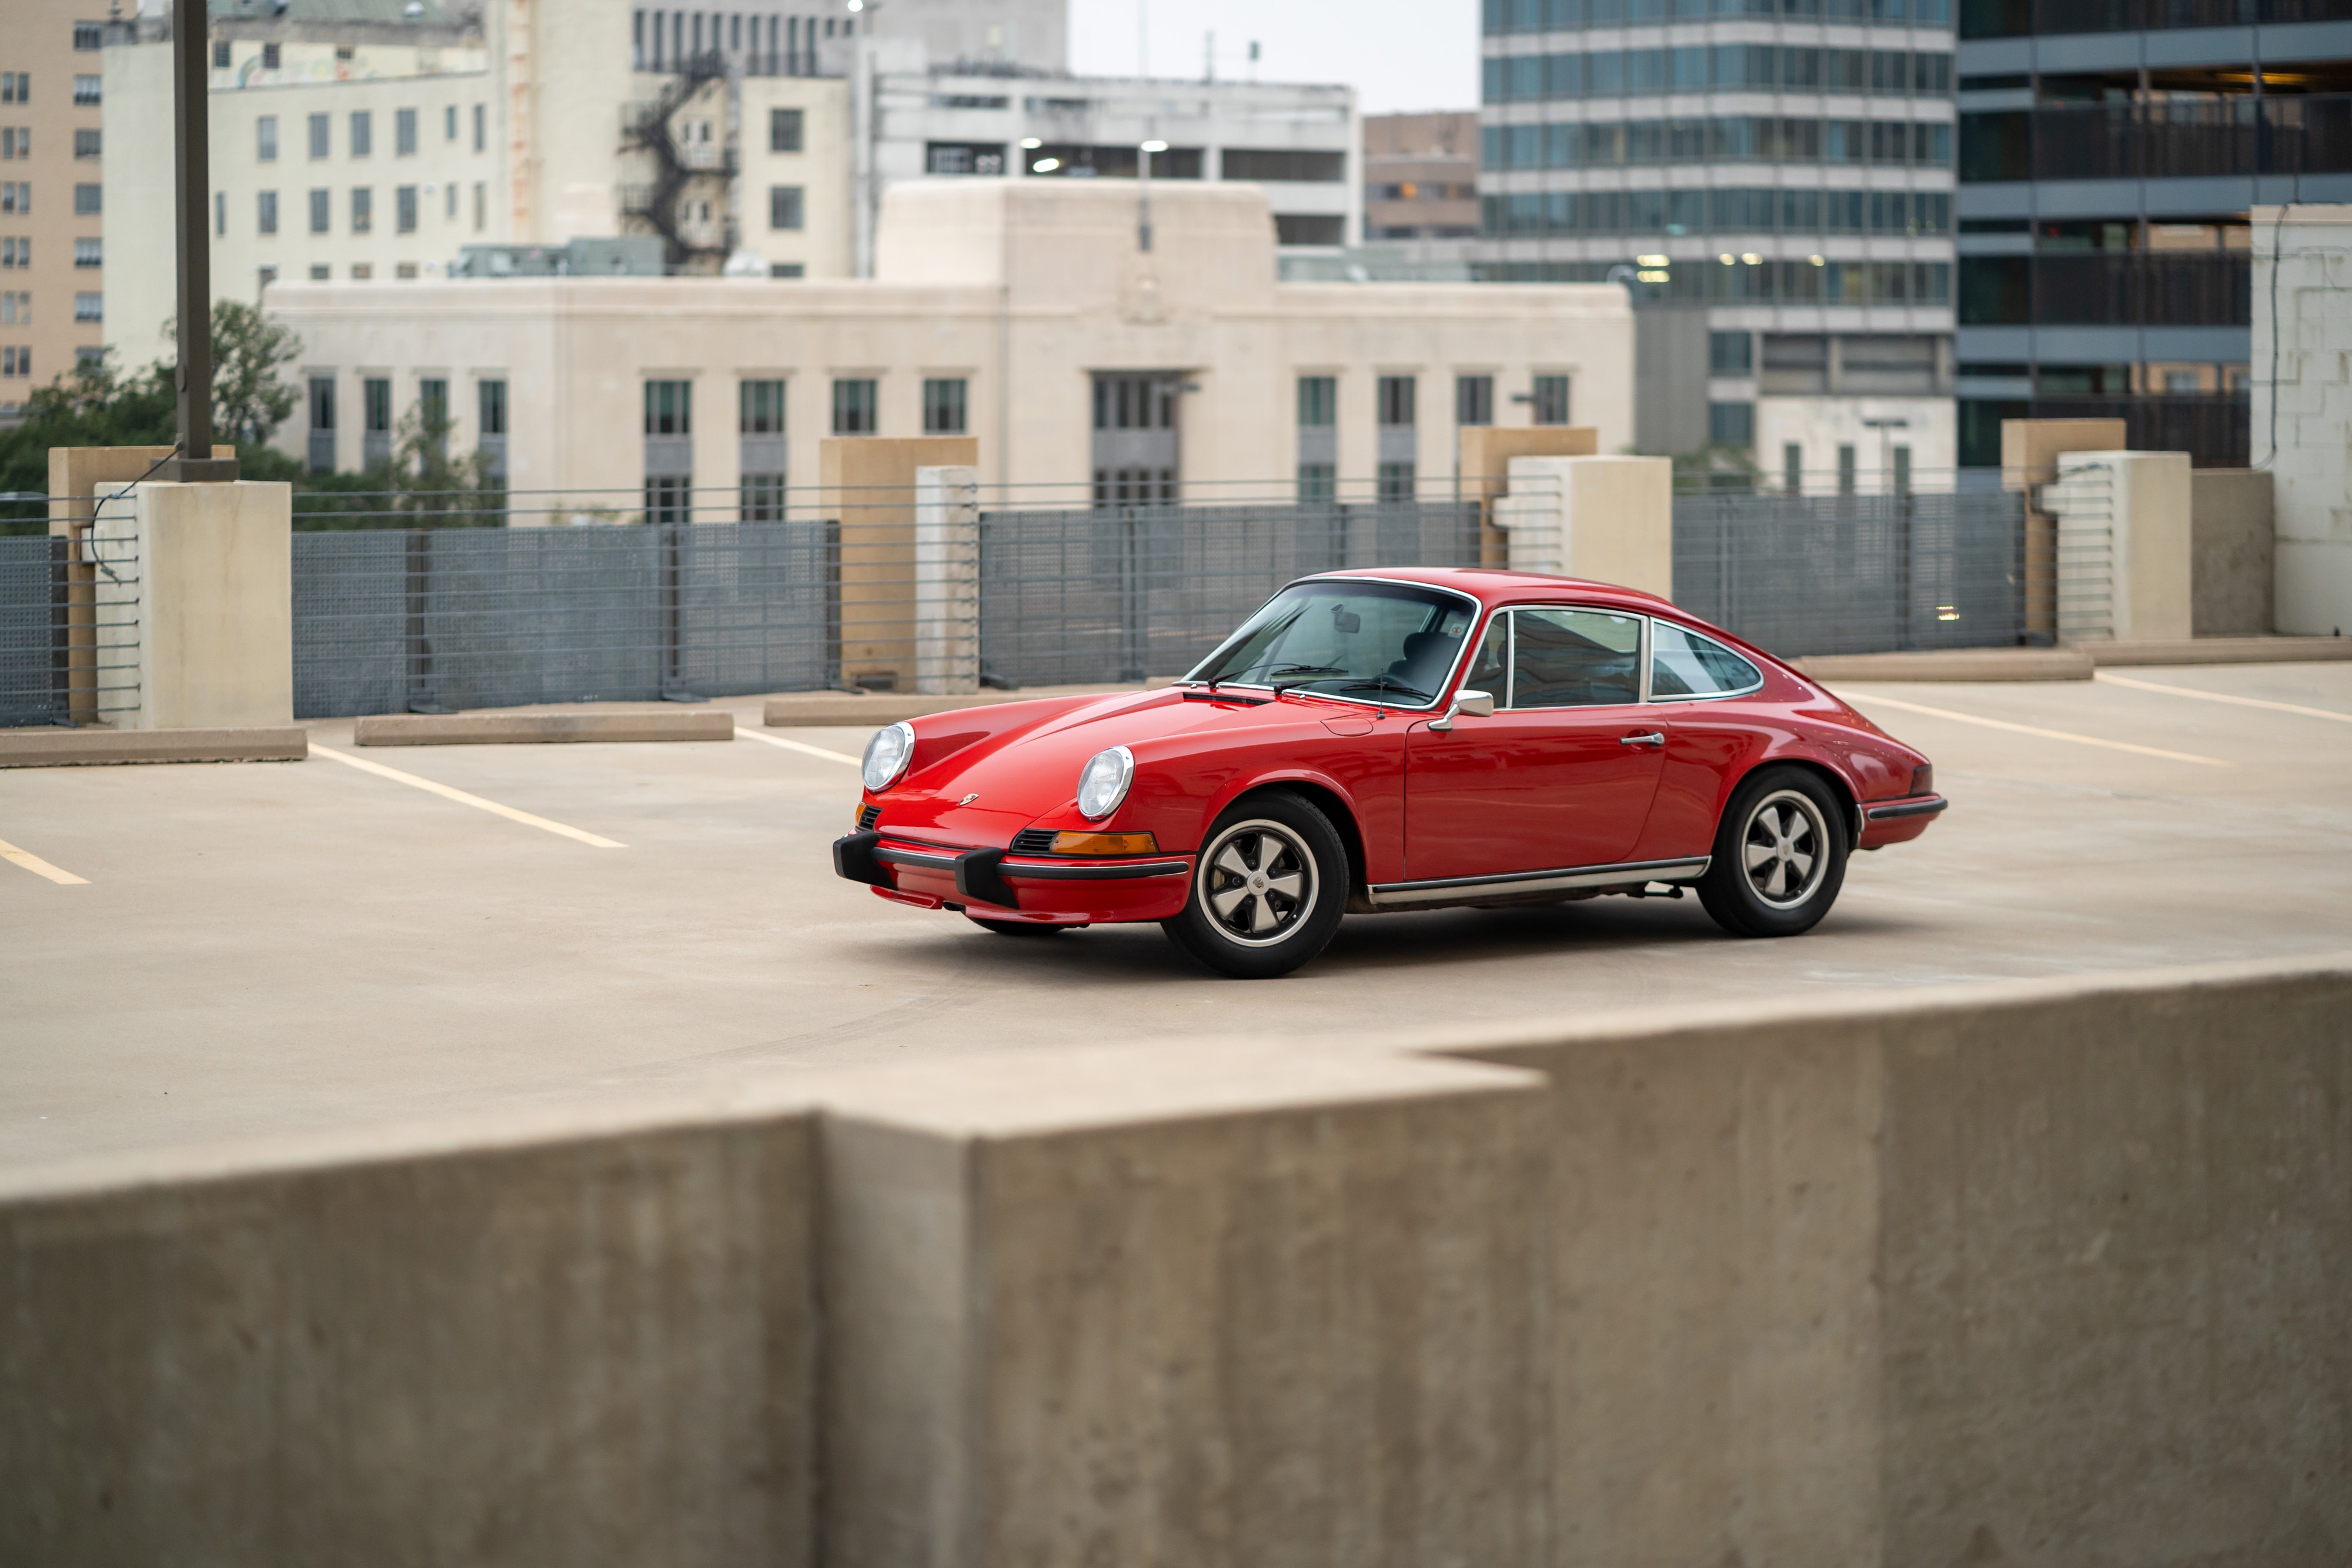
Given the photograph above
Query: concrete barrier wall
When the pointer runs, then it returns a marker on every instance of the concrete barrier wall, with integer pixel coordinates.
(2235, 545)
(2042, 1274)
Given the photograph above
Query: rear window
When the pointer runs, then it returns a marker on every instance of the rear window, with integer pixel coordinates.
(1683, 664)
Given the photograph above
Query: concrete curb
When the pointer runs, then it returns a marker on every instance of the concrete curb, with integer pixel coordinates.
(816, 710)
(1953, 665)
(60, 747)
(540, 728)
(2223, 650)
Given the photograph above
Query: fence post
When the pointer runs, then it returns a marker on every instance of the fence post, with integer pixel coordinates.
(947, 581)
(1608, 519)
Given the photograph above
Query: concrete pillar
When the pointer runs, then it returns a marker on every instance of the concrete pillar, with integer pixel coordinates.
(947, 581)
(1486, 454)
(2029, 458)
(2302, 407)
(209, 569)
(2123, 546)
(867, 486)
(76, 475)
(1611, 520)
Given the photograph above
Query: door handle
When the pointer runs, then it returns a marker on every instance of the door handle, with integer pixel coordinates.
(1654, 738)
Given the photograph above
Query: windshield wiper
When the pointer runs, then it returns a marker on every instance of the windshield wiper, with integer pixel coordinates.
(1386, 684)
(1310, 670)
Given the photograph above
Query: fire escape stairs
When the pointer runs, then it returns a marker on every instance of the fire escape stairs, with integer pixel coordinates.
(652, 133)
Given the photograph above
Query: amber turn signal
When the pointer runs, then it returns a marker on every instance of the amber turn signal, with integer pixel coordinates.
(1105, 844)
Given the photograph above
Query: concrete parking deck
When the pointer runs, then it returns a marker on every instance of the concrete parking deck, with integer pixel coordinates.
(254, 950)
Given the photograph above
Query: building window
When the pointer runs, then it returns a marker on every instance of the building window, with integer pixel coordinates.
(362, 133)
(221, 60)
(85, 143)
(375, 418)
(15, 362)
(854, 406)
(321, 211)
(1731, 424)
(88, 35)
(322, 425)
(89, 359)
(449, 123)
(15, 141)
(362, 271)
(90, 201)
(89, 307)
(1731, 353)
(265, 139)
(760, 408)
(1319, 402)
(405, 271)
(16, 87)
(449, 201)
(220, 213)
(1317, 482)
(321, 272)
(263, 279)
(363, 209)
(1793, 468)
(1396, 400)
(432, 413)
(787, 269)
(1845, 469)
(265, 217)
(669, 408)
(1473, 400)
(1285, 165)
(90, 92)
(491, 397)
(784, 130)
(16, 197)
(1902, 470)
(481, 205)
(16, 307)
(403, 208)
(1398, 481)
(943, 406)
(16, 251)
(321, 135)
(89, 252)
(784, 206)
(272, 57)
(1551, 400)
(404, 133)
(481, 127)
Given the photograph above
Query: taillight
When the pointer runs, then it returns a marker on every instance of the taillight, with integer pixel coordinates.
(1922, 779)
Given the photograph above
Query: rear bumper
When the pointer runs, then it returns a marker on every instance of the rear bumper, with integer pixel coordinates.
(991, 881)
(1887, 822)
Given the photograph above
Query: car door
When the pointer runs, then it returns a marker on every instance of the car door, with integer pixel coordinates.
(1562, 774)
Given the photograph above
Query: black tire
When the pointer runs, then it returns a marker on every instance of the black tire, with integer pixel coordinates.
(1796, 827)
(1017, 927)
(1269, 889)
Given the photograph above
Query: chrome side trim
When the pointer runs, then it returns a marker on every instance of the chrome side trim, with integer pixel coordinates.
(1452, 889)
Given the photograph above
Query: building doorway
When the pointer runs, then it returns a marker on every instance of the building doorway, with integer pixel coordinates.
(1135, 442)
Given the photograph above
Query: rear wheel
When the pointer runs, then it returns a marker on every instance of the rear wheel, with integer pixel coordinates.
(1269, 889)
(1780, 855)
(1017, 927)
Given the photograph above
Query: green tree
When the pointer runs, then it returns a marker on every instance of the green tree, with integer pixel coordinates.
(251, 396)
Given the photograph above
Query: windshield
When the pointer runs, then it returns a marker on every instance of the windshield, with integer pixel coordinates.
(1375, 641)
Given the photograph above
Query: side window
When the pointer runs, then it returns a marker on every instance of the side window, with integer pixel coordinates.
(1575, 658)
(1490, 670)
(1684, 664)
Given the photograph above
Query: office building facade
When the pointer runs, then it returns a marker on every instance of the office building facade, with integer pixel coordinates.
(1783, 166)
(2110, 156)
(52, 215)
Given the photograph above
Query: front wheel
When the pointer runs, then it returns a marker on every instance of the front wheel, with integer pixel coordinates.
(1780, 855)
(1268, 891)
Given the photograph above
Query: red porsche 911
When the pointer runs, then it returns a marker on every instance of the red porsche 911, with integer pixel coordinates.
(1382, 740)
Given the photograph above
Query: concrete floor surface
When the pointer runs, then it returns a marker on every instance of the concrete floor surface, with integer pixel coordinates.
(267, 948)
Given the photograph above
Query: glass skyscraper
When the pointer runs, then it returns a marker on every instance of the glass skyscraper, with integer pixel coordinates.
(1784, 166)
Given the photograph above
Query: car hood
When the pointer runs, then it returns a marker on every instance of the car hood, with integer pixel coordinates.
(980, 775)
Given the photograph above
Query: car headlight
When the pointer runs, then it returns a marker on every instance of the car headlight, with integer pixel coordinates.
(887, 756)
(1102, 784)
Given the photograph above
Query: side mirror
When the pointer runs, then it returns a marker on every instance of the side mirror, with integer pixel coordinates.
(1477, 705)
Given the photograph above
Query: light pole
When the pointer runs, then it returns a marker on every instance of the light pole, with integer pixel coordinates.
(1143, 219)
(192, 170)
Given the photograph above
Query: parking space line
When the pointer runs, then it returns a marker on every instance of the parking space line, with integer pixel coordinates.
(463, 798)
(2066, 734)
(795, 746)
(39, 867)
(2221, 697)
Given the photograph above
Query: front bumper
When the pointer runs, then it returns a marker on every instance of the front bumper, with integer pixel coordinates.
(994, 882)
(1887, 822)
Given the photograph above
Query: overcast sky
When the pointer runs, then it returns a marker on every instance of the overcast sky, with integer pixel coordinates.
(1396, 53)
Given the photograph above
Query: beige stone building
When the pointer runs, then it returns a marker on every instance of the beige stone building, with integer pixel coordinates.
(52, 288)
(1022, 312)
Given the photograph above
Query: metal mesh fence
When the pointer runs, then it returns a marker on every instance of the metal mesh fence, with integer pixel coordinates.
(435, 618)
(1130, 592)
(69, 619)
(1855, 574)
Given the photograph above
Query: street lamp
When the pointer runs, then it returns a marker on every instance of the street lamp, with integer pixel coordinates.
(1143, 219)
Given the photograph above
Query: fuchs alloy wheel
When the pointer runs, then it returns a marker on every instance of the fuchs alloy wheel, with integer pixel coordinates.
(1269, 889)
(1780, 855)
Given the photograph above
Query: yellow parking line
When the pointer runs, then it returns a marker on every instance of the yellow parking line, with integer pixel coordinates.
(796, 745)
(2221, 697)
(2066, 734)
(463, 798)
(39, 867)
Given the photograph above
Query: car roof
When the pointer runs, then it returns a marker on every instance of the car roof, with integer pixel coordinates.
(1492, 586)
